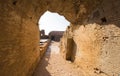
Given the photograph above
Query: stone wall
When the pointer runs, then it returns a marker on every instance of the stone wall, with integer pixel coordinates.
(43, 47)
(97, 41)
(19, 39)
(42, 35)
(55, 35)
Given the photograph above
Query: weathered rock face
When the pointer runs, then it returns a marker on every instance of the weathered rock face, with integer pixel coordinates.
(93, 48)
(96, 42)
(19, 40)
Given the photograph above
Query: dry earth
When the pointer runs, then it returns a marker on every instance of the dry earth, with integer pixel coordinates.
(53, 64)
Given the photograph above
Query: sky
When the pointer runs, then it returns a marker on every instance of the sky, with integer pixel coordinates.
(52, 22)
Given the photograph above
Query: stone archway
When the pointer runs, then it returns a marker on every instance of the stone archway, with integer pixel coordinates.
(19, 31)
(19, 40)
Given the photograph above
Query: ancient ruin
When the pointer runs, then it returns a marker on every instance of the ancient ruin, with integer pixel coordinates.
(42, 35)
(92, 41)
(56, 35)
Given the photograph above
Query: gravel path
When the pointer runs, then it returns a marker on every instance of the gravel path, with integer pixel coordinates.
(53, 64)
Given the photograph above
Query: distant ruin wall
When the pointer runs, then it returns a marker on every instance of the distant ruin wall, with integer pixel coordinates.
(56, 35)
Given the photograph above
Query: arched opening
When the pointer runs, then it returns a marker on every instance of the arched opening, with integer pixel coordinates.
(52, 26)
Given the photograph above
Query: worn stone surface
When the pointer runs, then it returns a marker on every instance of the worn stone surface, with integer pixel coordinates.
(97, 45)
(19, 39)
(53, 64)
(97, 40)
(96, 49)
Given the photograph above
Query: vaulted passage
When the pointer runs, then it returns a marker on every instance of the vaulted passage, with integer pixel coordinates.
(53, 64)
(91, 42)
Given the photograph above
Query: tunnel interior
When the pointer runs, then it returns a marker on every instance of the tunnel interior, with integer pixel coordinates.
(96, 35)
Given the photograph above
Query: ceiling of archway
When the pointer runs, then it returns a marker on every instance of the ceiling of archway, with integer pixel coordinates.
(74, 10)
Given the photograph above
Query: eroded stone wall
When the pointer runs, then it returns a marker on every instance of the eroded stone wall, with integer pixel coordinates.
(97, 40)
(19, 39)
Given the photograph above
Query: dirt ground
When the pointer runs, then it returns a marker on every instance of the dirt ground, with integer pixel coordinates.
(53, 64)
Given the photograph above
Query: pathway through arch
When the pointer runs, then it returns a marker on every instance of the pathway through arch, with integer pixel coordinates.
(53, 64)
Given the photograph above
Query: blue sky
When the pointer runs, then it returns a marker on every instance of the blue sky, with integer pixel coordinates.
(52, 22)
